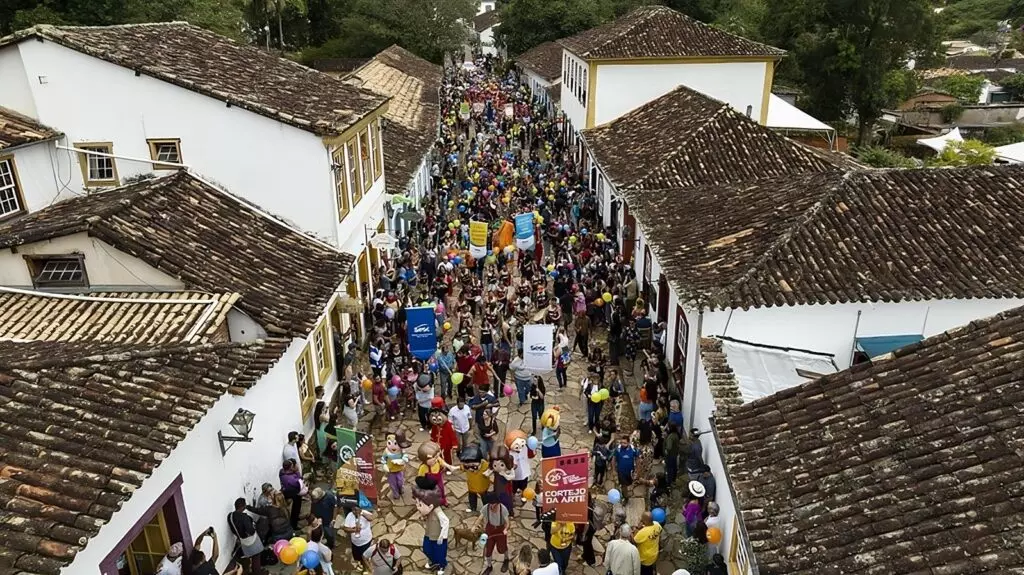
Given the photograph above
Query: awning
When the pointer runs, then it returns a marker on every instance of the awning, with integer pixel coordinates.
(1012, 153)
(938, 143)
(882, 344)
(762, 370)
(783, 115)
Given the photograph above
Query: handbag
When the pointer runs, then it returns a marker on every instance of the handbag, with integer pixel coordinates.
(303, 490)
(245, 541)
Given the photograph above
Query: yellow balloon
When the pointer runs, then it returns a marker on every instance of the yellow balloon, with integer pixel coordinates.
(298, 544)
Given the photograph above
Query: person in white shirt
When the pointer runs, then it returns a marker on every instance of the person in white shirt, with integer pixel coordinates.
(291, 451)
(621, 557)
(547, 567)
(460, 415)
(171, 563)
(357, 525)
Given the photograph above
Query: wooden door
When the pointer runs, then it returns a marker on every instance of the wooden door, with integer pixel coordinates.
(628, 234)
(146, 551)
(663, 300)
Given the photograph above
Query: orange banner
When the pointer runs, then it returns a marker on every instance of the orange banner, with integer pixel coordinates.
(565, 480)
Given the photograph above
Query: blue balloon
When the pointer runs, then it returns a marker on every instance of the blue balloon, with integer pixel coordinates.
(658, 514)
(462, 208)
(434, 367)
(393, 392)
(457, 260)
(583, 231)
(554, 273)
(310, 559)
(614, 496)
(532, 443)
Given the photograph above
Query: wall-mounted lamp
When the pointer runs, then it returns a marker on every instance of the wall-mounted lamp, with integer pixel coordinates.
(241, 422)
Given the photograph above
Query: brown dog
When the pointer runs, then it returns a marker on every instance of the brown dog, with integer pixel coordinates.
(468, 534)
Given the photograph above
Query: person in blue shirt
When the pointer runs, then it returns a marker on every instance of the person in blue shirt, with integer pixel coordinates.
(445, 367)
(625, 461)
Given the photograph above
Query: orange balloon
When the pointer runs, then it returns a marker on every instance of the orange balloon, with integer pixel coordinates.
(367, 384)
(714, 535)
(643, 395)
(529, 494)
(289, 555)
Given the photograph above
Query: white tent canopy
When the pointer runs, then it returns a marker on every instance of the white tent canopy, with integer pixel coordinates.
(1012, 153)
(783, 115)
(938, 143)
(764, 370)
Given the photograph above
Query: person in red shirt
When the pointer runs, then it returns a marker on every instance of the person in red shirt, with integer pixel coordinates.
(481, 373)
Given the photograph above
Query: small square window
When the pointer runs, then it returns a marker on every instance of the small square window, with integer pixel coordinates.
(98, 167)
(165, 151)
(58, 271)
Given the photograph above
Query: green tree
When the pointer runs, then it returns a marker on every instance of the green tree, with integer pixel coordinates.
(965, 88)
(879, 157)
(1014, 85)
(845, 50)
(222, 16)
(528, 23)
(965, 153)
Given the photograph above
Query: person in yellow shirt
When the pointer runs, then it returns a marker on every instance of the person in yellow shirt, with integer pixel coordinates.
(563, 534)
(475, 465)
(646, 540)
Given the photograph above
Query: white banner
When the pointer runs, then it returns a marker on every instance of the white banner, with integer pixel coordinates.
(537, 343)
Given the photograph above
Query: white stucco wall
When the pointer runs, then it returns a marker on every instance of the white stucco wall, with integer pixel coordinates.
(281, 168)
(211, 482)
(622, 88)
(15, 92)
(487, 42)
(105, 266)
(573, 109)
(485, 6)
(830, 328)
(44, 173)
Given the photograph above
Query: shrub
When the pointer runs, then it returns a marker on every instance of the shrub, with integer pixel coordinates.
(879, 157)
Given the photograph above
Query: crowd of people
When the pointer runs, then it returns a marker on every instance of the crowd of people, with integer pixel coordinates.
(498, 155)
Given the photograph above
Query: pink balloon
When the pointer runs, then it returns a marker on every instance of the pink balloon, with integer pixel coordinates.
(278, 546)
(508, 390)
(395, 380)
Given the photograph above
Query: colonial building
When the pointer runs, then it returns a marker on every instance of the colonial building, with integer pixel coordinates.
(906, 464)
(484, 25)
(186, 312)
(26, 151)
(413, 117)
(148, 98)
(541, 69)
(612, 69)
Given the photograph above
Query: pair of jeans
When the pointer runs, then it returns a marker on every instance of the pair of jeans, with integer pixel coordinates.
(561, 376)
(423, 412)
(293, 496)
(671, 468)
(594, 414)
(488, 349)
(646, 409)
(523, 387)
(446, 383)
(536, 410)
(582, 342)
(486, 445)
(561, 557)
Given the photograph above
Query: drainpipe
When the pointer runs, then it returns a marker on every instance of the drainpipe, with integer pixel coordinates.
(853, 346)
(693, 377)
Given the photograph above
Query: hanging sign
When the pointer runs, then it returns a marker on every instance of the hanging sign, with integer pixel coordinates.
(478, 239)
(422, 333)
(525, 239)
(565, 481)
(537, 344)
(356, 477)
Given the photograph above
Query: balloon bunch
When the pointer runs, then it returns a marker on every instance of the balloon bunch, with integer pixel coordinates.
(600, 395)
(298, 549)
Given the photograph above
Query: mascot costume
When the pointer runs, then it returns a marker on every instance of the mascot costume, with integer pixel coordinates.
(550, 420)
(501, 475)
(432, 465)
(515, 442)
(394, 461)
(443, 434)
(435, 523)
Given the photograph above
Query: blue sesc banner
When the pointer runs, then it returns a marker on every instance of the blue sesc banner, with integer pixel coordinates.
(422, 333)
(524, 231)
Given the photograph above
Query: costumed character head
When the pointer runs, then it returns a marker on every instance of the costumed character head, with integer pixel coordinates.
(515, 440)
(471, 456)
(428, 453)
(395, 441)
(501, 460)
(437, 417)
(426, 494)
(551, 417)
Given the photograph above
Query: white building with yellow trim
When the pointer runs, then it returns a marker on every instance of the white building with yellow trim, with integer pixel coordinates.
(617, 67)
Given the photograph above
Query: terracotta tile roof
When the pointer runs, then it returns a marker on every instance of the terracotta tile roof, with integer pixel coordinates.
(685, 138)
(215, 66)
(17, 130)
(209, 239)
(968, 62)
(111, 317)
(910, 465)
(484, 21)
(413, 84)
(660, 32)
(866, 235)
(725, 389)
(85, 423)
(545, 60)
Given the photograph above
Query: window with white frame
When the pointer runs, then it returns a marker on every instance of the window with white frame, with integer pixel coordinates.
(319, 350)
(11, 201)
(304, 380)
(57, 271)
(165, 151)
(98, 167)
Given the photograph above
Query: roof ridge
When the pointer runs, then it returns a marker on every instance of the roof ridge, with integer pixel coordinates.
(809, 214)
(647, 14)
